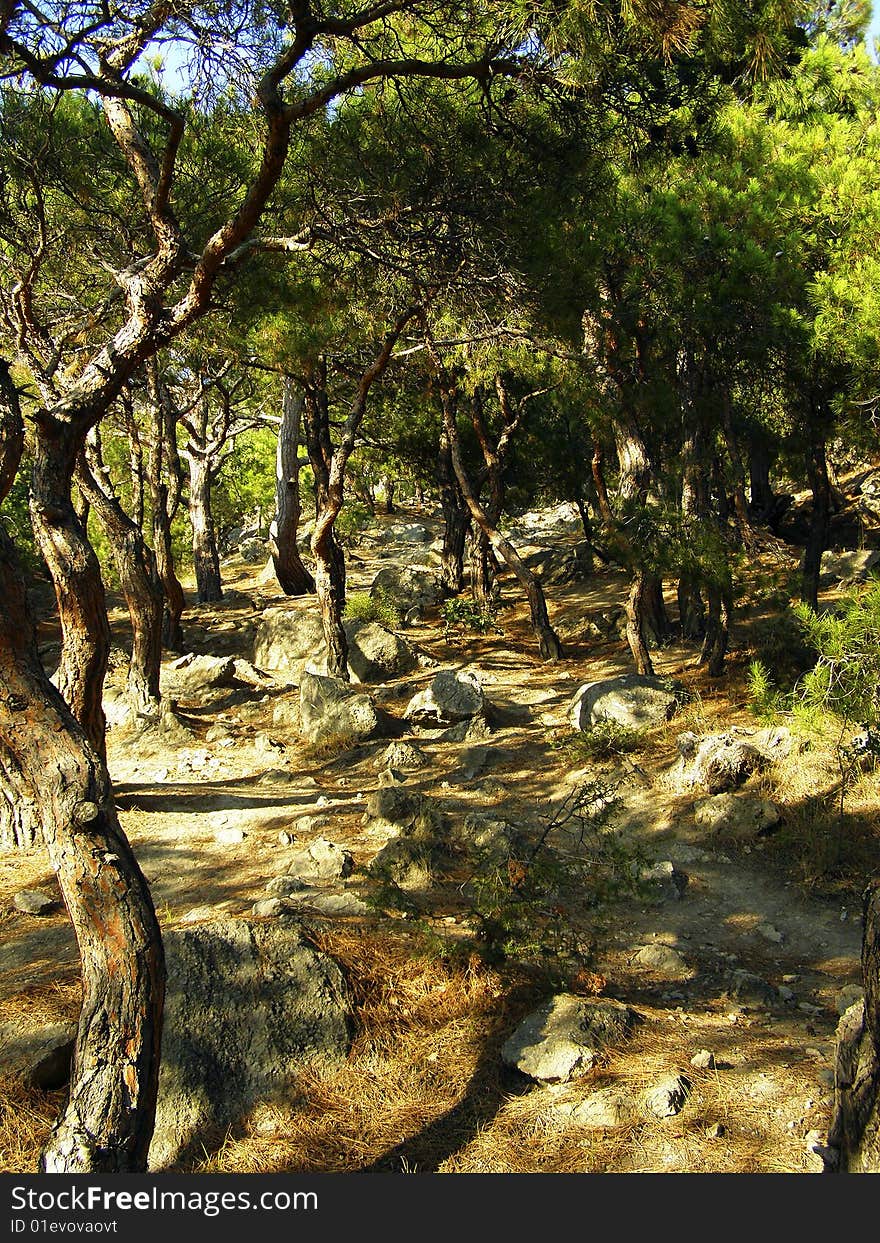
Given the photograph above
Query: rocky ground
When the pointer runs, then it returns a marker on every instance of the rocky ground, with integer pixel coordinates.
(464, 862)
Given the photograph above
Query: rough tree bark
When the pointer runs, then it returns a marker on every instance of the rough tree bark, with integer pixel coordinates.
(138, 578)
(329, 464)
(456, 520)
(548, 641)
(293, 577)
(855, 1128)
(206, 559)
(166, 485)
(107, 1123)
(740, 506)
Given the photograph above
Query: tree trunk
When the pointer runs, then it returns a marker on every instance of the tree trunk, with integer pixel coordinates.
(740, 507)
(855, 1128)
(108, 1121)
(817, 541)
(456, 520)
(389, 496)
(293, 577)
(76, 576)
(164, 498)
(548, 641)
(140, 583)
(172, 590)
(597, 467)
(717, 628)
(330, 587)
(762, 498)
(635, 635)
(206, 559)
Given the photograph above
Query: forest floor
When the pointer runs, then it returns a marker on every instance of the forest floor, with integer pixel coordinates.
(424, 1088)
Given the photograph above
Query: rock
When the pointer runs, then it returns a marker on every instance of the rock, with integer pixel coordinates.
(322, 860)
(475, 730)
(253, 549)
(269, 908)
(329, 708)
(399, 811)
(405, 861)
(666, 1098)
(30, 902)
(563, 1038)
(704, 1060)
(288, 636)
(849, 995)
(229, 837)
(608, 1107)
(406, 533)
(408, 587)
(284, 886)
(631, 700)
(403, 756)
(750, 988)
(769, 932)
(738, 816)
(376, 654)
(718, 762)
(665, 882)
(190, 676)
(328, 903)
(247, 1005)
(850, 566)
(487, 836)
(662, 959)
(453, 696)
(41, 1057)
(475, 760)
(557, 566)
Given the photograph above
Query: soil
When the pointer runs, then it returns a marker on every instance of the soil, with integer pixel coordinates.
(765, 906)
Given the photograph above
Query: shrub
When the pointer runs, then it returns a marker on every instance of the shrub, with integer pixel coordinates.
(606, 740)
(460, 615)
(362, 606)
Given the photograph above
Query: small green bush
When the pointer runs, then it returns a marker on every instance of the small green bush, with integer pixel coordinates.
(362, 606)
(461, 615)
(605, 741)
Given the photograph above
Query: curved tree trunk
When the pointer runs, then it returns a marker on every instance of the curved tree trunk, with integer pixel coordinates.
(76, 575)
(293, 577)
(164, 498)
(206, 559)
(108, 1121)
(456, 520)
(140, 583)
(762, 498)
(717, 636)
(855, 1128)
(635, 634)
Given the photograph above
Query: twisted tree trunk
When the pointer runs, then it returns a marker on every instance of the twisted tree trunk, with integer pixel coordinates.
(206, 559)
(293, 577)
(456, 520)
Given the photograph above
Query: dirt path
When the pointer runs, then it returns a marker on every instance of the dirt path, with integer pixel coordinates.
(207, 811)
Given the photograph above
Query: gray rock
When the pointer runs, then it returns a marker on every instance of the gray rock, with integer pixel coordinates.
(719, 762)
(406, 533)
(329, 903)
(769, 932)
(405, 861)
(408, 587)
(321, 860)
(400, 811)
(42, 1057)
(563, 1038)
(247, 1005)
(750, 988)
(665, 882)
(738, 816)
(329, 708)
(454, 695)
(269, 908)
(851, 566)
(662, 959)
(229, 836)
(485, 835)
(284, 886)
(288, 636)
(667, 1098)
(704, 1060)
(253, 549)
(376, 654)
(403, 756)
(609, 1107)
(631, 700)
(849, 995)
(474, 730)
(30, 902)
(190, 676)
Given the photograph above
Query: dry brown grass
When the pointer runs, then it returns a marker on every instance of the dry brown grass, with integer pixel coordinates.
(26, 1117)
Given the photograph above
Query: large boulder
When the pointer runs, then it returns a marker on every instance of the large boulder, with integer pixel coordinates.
(376, 654)
(407, 533)
(631, 700)
(454, 695)
(851, 566)
(190, 676)
(287, 637)
(247, 1005)
(719, 762)
(408, 586)
(738, 816)
(329, 708)
(564, 1037)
